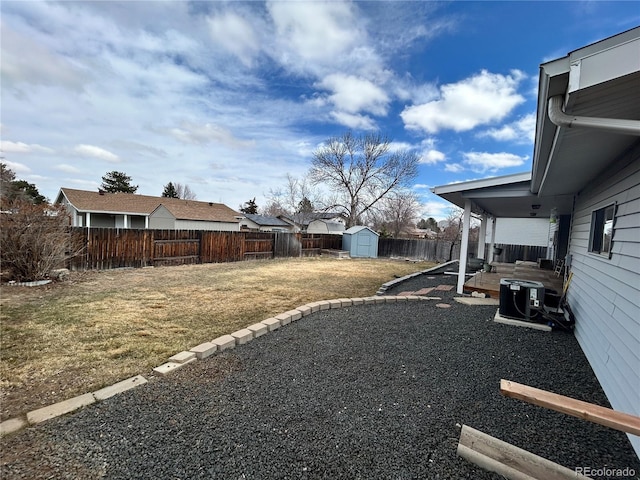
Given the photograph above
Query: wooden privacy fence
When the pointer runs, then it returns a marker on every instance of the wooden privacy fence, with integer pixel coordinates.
(422, 249)
(104, 248)
(511, 253)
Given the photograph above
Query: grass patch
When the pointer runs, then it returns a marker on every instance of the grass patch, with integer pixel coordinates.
(101, 327)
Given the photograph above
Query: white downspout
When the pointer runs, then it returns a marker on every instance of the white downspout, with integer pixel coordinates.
(464, 245)
(615, 125)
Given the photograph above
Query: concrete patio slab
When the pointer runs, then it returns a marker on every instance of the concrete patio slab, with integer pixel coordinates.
(519, 323)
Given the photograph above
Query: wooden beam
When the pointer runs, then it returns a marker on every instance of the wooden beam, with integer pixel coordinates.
(587, 411)
(508, 460)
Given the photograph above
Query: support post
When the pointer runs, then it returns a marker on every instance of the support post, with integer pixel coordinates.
(482, 237)
(493, 239)
(464, 245)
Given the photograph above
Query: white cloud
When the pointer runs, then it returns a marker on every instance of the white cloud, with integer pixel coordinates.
(41, 66)
(96, 152)
(16, 167)
(482, 162)
(315, 31)
(431, 157)
(477, 100)
(353, 94)
(439, 210)
(63, 167)
(203, 134)
(361, 122)
(235, 35)
(521, 131)
(453, 167)
(19, 147)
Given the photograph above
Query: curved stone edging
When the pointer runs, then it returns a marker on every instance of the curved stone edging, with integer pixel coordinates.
(205, 350)
(396, 281)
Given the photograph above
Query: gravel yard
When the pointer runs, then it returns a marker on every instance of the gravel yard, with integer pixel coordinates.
(370, 392)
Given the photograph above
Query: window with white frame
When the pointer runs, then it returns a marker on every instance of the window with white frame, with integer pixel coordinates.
(601, 235)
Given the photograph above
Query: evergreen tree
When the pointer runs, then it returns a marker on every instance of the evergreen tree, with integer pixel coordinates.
(113, 182)
(170, 191)
(13, 190)
(29, 192)
(250, 207)
(305, 206)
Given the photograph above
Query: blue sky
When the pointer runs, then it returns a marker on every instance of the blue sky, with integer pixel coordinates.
(230, 97)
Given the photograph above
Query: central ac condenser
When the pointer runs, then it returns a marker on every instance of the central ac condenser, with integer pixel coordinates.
(521, 299)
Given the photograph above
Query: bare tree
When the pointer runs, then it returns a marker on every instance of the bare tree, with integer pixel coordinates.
(361, 171)
(452, 230)
(184, 191)
(289, 199)
(398, 212)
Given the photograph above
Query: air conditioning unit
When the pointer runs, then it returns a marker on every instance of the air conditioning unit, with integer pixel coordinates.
(521, 299)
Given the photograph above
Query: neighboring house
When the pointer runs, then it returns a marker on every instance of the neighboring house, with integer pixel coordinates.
(586, 172)
(325, 226)
(128, 210)
(420, 233)
(301, 221)
(264, 223)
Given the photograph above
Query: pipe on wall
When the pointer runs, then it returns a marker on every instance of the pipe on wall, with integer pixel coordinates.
(615, 125)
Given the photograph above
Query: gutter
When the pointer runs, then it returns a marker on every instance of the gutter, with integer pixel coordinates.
(614, 125)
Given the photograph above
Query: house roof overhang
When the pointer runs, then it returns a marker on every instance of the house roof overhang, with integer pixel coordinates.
(506, 196)
(601, 80)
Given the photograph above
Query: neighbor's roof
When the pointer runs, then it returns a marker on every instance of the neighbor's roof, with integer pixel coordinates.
(306, 218)
(332, 225)
(129, 203)
(266, 220)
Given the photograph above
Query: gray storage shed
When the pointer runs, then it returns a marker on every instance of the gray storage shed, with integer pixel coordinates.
(360, 242)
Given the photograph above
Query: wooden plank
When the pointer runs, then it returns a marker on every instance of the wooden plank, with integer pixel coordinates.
(587, 411)
(508, 460)
(179, 240)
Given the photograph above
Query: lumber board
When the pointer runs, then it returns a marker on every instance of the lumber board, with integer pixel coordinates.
(512, 462)
(587, 411)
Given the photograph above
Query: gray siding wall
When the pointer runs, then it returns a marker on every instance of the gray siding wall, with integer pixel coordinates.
(605, 292)
(202, 225)
(162, 219)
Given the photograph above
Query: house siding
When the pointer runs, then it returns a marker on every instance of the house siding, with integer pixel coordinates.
(605, 292)
(162, 219)
(204, 225)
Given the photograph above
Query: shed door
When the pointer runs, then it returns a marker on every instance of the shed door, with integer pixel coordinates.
(363, 245)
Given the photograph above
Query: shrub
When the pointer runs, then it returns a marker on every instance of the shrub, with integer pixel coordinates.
(34, 239)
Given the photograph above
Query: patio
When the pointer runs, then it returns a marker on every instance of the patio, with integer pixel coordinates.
(484, 282)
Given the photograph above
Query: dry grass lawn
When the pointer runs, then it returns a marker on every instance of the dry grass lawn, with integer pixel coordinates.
(97, 328)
